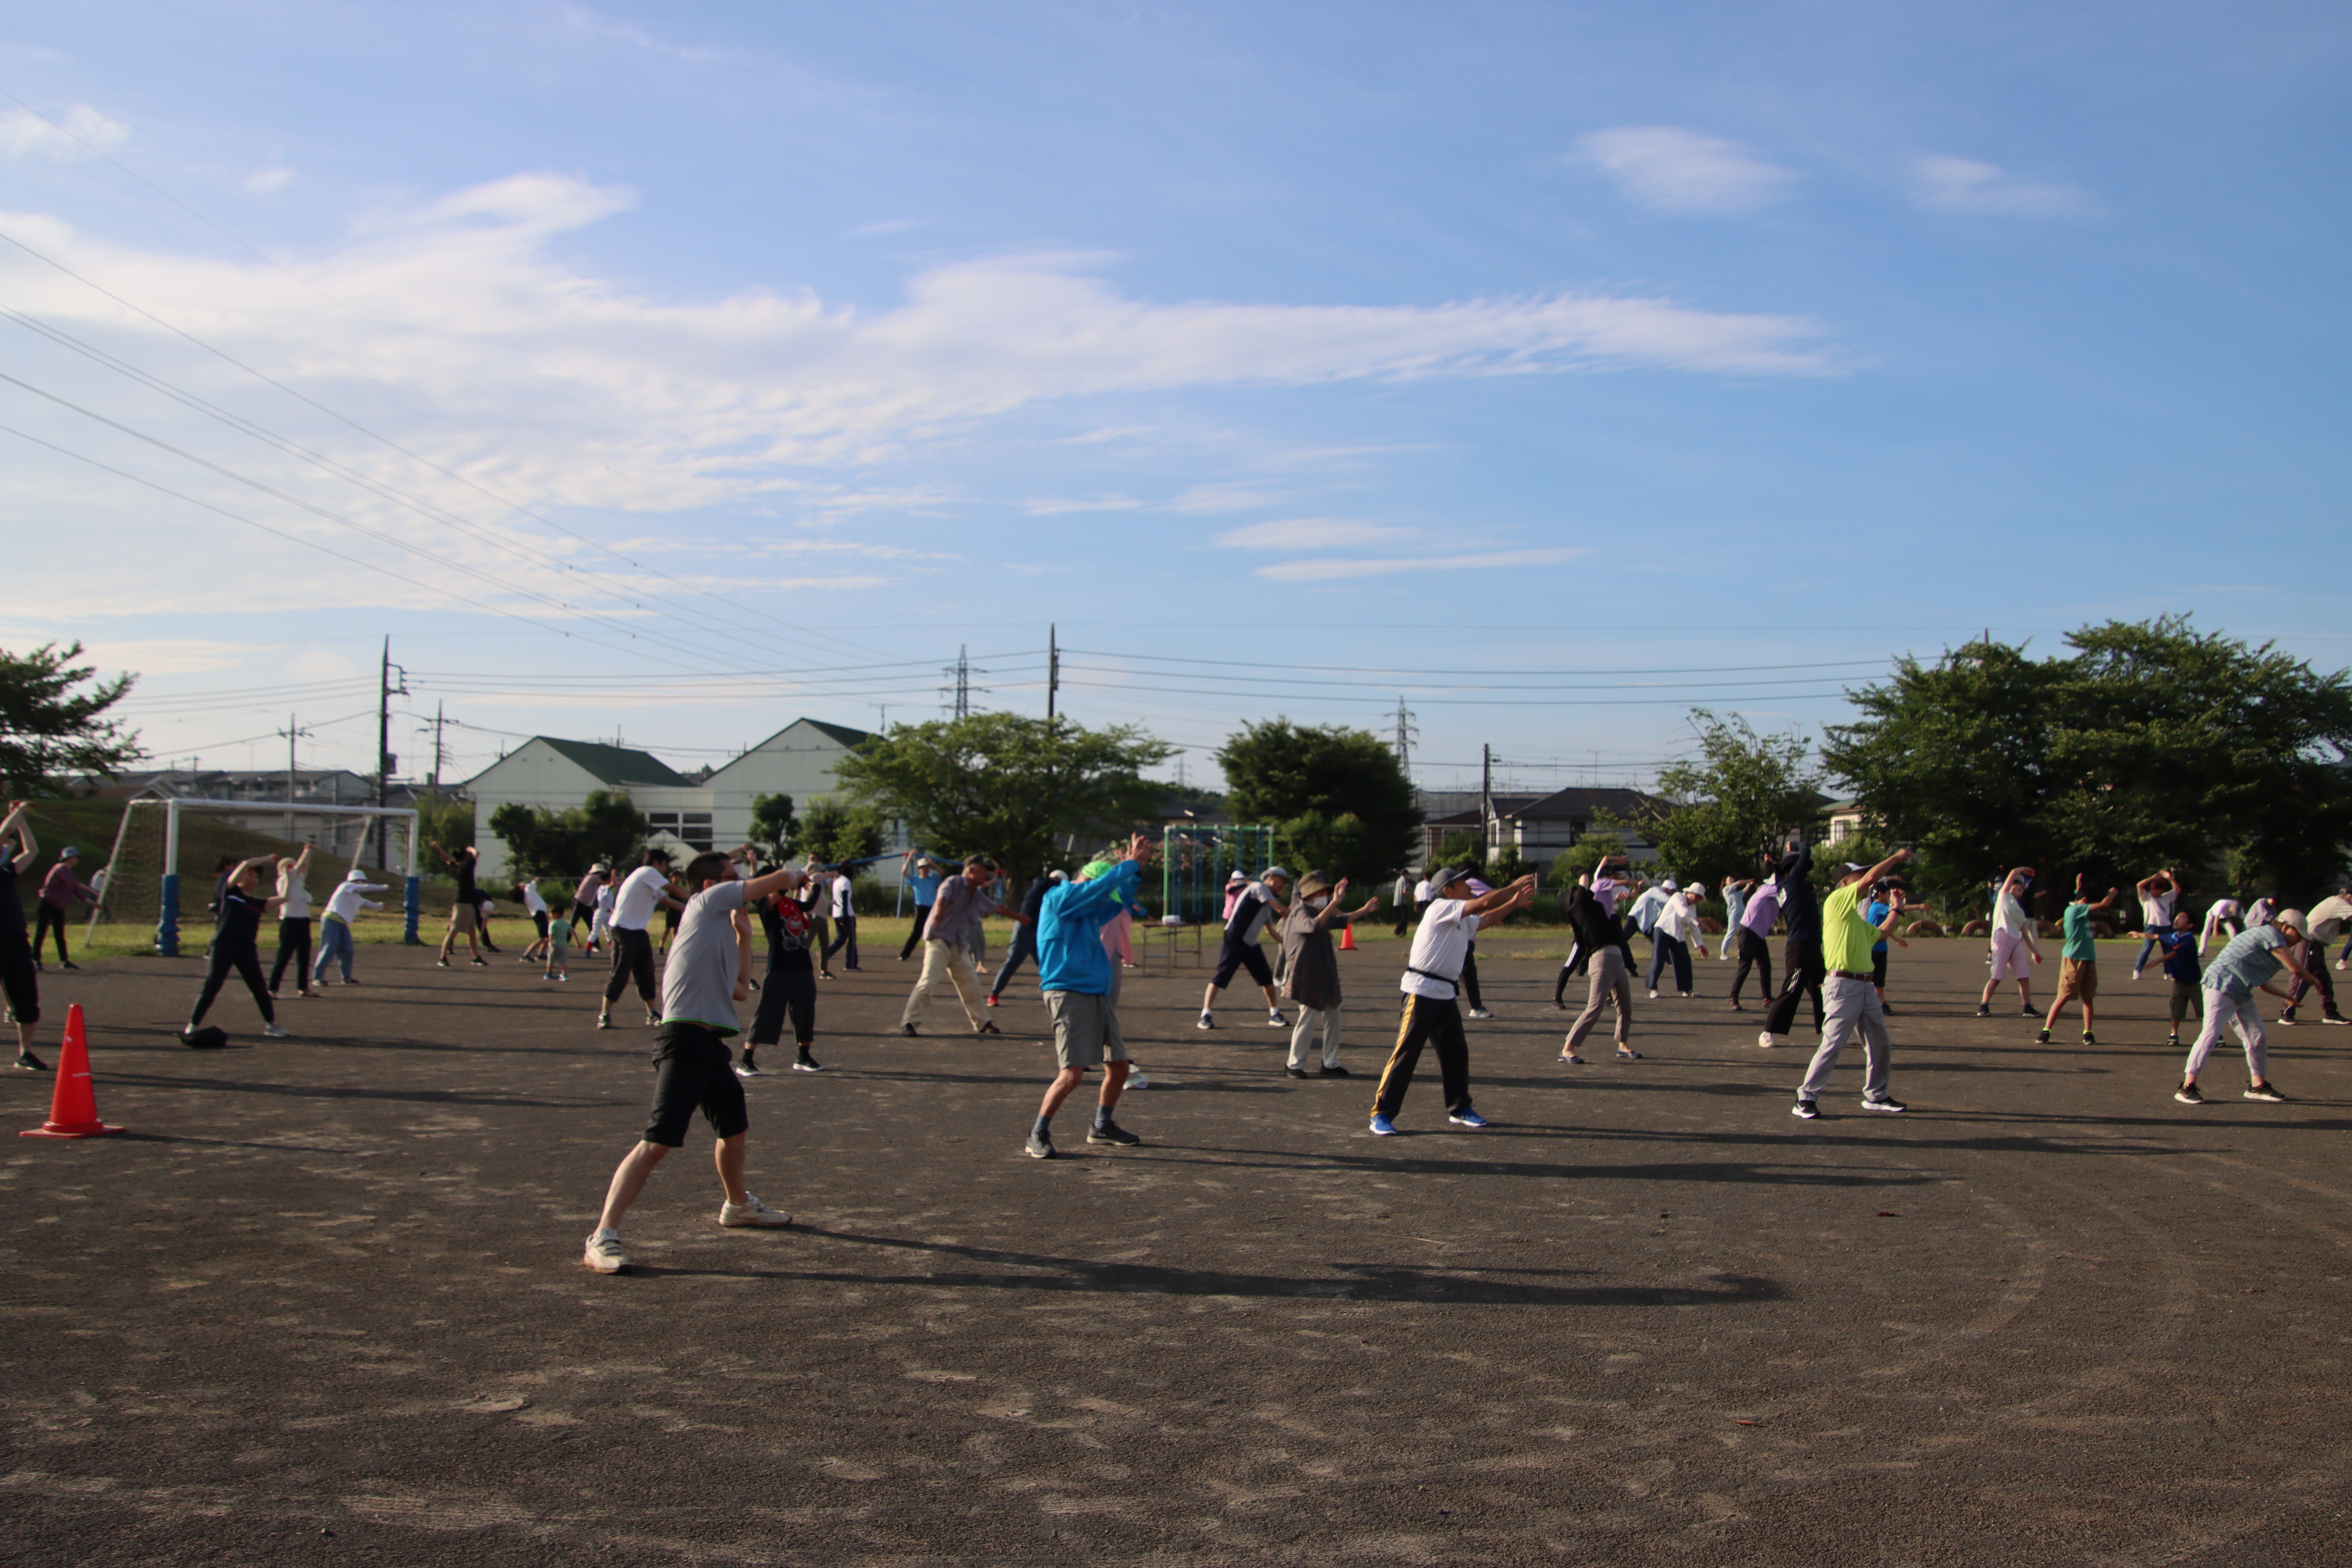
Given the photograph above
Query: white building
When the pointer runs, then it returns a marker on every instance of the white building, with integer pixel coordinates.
(707, 811)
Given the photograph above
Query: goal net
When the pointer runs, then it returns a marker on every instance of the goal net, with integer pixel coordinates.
(168, 855)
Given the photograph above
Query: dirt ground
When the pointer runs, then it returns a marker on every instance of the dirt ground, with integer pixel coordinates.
(323, 1303)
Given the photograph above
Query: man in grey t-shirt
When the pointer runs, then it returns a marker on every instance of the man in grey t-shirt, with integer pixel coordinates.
(694, 1069)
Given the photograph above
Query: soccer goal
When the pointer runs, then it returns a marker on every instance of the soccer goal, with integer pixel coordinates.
(167, 852)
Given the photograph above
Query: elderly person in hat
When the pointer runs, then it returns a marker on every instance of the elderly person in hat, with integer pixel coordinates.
(1310, 969)
(2241, 969)
(1432, 1016)
(60, 890)
(923, 877)
(1247, 915)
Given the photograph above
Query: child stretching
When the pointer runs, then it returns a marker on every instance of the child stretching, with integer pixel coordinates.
(557, 942)
(2078, 968)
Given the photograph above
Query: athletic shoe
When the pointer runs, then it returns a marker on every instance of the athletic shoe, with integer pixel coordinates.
(1569, 1059)
(603, 1020)
(1765, 1039)
(27, 1062)
(1112, 1132)
(2268, 1093)
(2027, 1012)
(751, 1212)
(564, 979)
(1686, 995)
(2042, 1037)
(1275, 1020)
(1469, 1118)
(440, 963)
(908, 1030)
(806, 1063)
(1480, 1012)
(1984, 1009)
(653, 1019)
(1136, 1079)
(1653, 995)
(988, 1000)
(747, 1067)
(1041, 1145)
(1887, 1008)
(481, 963)
(2135, 974)
(1206, 1022)
(2188, 1094)
(2334, 1018)
(74, 967)
(2173, 1040)
(988, 1027)
(1893, 1107)
(272, 1032)
(1627, 1056)
(1806, 1111)
(2089, 1038)
(1383, 1127)
(1295, 1072)
(1331, 1072)
(2286, 1018)
(604, 1253)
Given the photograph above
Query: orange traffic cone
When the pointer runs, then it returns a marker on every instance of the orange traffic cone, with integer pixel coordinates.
(1348, 937)
(73, 1104)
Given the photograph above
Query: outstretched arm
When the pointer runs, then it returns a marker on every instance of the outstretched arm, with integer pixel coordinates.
(1502, 900)
(20, 823)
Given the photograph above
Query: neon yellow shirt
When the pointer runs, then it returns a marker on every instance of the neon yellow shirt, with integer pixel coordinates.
(1846, 937)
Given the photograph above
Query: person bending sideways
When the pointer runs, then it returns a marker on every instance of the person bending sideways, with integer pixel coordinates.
(956, 914)
(1074, 972)
(237, 945)
(1762, 908)
(20, 980)
(1801, 951)
(1851, 996)
(1253, 905)
(2016, 947)
(1432, 1016)
(2242, 968)
(1604, 951)
(2328, 920)
(2160, 895)
(693, 1069)
(634, 903)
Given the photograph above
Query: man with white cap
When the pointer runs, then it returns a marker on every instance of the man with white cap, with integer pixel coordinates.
(2243, 967)
(1252, 907)
(1432, 1017)
(1672, 934)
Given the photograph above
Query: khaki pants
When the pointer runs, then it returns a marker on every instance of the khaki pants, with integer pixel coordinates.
(953, 963)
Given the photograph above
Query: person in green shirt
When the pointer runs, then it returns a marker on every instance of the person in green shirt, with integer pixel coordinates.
(1850, 1000)
(2078, 968)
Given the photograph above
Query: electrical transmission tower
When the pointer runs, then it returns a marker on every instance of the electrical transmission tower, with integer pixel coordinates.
(1407, 732)
(959, 691)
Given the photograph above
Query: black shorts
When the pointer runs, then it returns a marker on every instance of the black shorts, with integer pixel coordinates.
(693, 1070)
(1249, 955)
(539, 921)
(1878, 970)
(19, 980)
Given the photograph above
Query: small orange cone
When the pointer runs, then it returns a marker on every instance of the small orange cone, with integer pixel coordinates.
(73, 1104)
(1348, 937)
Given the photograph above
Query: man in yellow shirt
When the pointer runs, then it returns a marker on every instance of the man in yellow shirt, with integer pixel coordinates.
(1851, 1000)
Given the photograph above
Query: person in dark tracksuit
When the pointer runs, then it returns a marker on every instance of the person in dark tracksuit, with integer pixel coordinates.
(1024, 937)
(790, 983)
(237, 945)
(1802, 908)
(1432, 1015)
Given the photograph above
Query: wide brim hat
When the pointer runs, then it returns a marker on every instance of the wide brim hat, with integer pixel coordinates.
(1311, 884)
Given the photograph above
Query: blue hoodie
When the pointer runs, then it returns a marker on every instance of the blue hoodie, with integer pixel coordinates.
(1070, 956)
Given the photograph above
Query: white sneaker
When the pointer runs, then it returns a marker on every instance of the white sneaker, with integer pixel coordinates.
(1653, 995)
(272, 1032)
(1136, 1079)
(1275, 1020)
(1480, 1012)
(1765, 1039)
(751, 1212)
(604, 1254)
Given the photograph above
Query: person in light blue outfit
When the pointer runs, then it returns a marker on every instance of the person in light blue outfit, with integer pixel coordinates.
(1076, 974)
(923, 878)
(1734, 904)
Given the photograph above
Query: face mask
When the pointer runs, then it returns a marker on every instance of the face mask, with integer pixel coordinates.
(1316, 904)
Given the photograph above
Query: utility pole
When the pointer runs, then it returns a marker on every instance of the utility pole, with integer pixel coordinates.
(1052, 667)
(1486, 802)
(385, 763)
(434, 781)
(292, 731)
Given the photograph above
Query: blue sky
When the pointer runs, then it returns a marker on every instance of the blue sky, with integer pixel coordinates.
(670, 373)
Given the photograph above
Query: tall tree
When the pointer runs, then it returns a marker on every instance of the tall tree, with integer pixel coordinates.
(1742, 792)
(2151, 743)
(1006, 785)
(1337, 797)
(833, 831)
(775, 829)
(543, 841)
(48, 729)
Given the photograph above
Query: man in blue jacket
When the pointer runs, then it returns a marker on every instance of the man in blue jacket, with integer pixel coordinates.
(1074, 972)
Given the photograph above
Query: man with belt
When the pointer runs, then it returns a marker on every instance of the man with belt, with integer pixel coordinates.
(1433, 1017)
(1851, 999)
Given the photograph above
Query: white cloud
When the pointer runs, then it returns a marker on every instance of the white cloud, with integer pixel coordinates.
(1669, 169)
(84, 132)
(1337, 569)
(1211, 499)
(266, 182)
(1964, 185)
(586, 21)
(1310, 534)
(1107, 432)
(1051, 506)
(888, 226)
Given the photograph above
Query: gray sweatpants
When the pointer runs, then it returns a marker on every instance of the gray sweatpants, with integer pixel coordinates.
(1609, 978)
(1848, 1006)
(2221, 1008)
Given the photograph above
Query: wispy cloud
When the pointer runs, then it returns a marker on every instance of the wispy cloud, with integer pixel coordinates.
(1310, 533)
(1107, 432)
(1056, 506)
(1669, 169)
(1336, 568)
(1208, 500)
(84, 132)
(266, 182)
(888, 226)
(586, 21)
(1964, 185)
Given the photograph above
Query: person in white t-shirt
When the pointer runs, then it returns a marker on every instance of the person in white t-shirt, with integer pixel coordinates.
(2158, 895)
(1432, 1015)
(534, 904)
(643, 890)
(2016, 944)
(839, 900)
(2226, 918)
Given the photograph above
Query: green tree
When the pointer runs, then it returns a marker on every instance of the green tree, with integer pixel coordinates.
(833, 830)
(775, 830)
(1741, 793)
(445, 820)
(1336, 797)
(2149, 745)
(1582, 855)
(49, 729)
(543, 841)
(1006, 785)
